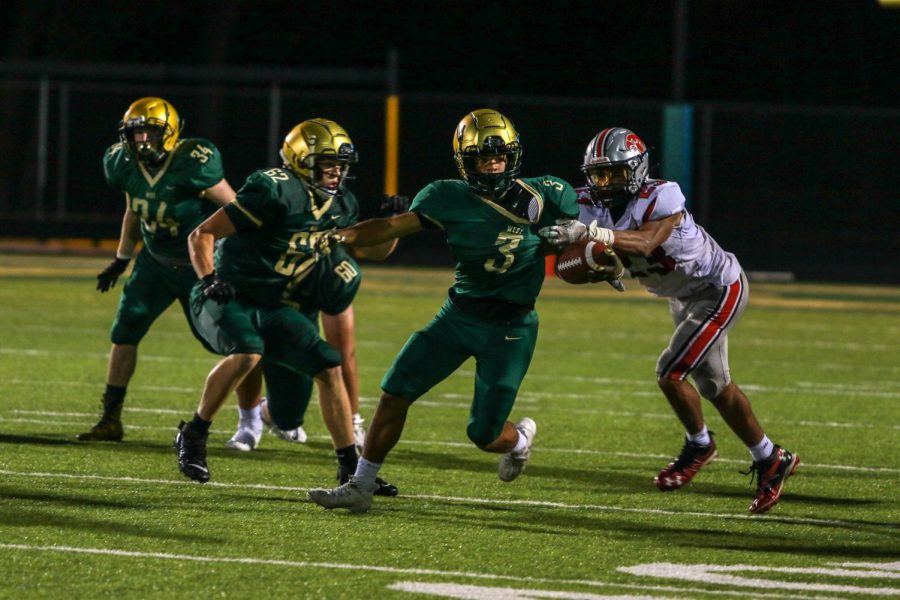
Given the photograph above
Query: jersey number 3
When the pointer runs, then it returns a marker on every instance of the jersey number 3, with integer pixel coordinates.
(506, 243)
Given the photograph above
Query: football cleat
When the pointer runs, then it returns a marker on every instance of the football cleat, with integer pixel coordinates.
(244, 439)
(513, 463)
(353, 495)
(359, 433)
(771, 474)
(108, 429)
(382, 487)
(296, 435)
(680, 472)
(191, 448)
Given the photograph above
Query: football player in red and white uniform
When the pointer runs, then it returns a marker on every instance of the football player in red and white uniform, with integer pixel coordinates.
(646, 223)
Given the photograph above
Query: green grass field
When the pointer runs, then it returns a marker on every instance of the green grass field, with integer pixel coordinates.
(821, 364)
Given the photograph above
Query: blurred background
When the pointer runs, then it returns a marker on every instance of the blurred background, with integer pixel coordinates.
(781, 120)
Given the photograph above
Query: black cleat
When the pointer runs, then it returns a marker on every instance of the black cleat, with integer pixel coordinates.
(384, 488)
(109, 427)
(191, 447)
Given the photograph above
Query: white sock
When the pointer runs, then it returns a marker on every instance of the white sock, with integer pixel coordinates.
(250, 417)
(366, 472)
(521, 443)
(701, 438)
(763, 449)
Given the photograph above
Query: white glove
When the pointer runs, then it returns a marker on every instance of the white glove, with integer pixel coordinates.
(563, 233)
(567, 231)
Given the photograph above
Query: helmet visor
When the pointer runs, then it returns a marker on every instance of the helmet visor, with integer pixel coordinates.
(609, 177)
(143, 141)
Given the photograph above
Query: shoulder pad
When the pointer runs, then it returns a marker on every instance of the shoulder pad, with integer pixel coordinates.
(658, 199)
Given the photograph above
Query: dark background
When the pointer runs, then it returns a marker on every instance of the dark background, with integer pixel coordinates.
(796, 103)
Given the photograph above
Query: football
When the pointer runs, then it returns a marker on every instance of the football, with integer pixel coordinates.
(578, 259)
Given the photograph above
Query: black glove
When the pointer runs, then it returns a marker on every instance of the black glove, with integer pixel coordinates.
(216, 289)
(393, 205)
(107, 277)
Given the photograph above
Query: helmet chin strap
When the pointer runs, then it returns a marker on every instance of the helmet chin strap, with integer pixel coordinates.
(611, 199)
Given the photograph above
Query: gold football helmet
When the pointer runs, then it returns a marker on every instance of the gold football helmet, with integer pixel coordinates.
(314, 141)
(486, 132)
(159, 119)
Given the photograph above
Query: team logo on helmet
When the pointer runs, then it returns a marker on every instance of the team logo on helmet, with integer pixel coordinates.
(633, 142)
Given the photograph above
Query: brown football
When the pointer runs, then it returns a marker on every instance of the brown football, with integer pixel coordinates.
(579, 258)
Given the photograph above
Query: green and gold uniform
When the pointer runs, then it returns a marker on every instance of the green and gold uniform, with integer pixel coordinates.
(490, 310)
(169, 206)
(281, 283)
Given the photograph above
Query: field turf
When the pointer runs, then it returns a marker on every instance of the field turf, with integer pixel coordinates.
(820, 363)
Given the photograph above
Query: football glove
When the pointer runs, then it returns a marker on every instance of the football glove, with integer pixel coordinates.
(108, 276)
(567, 231)
(612, 274)
(221, 292)
(393, 205)
(325, 242)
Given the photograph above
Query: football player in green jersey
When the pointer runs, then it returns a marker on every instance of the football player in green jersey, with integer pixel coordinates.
(490, 219)
(171, 185)
(242, 305)
(328, 294)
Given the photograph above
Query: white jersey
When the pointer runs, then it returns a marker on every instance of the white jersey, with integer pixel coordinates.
(689, 261)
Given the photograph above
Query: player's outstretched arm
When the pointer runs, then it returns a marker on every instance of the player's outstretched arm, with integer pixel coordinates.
(379, 231)
(646, 239)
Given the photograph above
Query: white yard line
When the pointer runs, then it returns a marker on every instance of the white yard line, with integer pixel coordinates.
(582, 451)
(769, 518)
(518, 579)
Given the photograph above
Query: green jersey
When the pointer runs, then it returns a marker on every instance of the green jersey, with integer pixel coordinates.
(278, 220)
(495, 244)
(168, 202)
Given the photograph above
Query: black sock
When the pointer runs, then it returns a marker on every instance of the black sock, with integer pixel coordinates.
(347, 458)
(114, 396)
(199, 424)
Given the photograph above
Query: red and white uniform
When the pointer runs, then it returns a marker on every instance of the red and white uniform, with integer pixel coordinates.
(705, 285)
(690, 260)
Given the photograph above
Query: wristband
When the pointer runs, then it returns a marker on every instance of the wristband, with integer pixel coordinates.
(601, 234)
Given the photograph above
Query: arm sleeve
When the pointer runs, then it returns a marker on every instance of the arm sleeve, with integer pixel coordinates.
(426, 206)
(256, 203)
(113, 160)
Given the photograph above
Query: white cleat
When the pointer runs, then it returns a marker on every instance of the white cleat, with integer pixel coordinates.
(513, 463)
(359, 433)
(296, 435)
(244, 439)
(351, 495)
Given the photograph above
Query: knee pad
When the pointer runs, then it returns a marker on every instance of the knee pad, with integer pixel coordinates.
(709, 387)
(128, 330)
